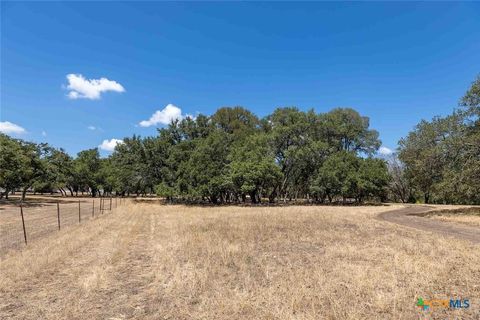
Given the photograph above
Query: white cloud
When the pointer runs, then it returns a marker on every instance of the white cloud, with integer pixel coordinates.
(11, 128)
(384, 151)
(91, 128)
(165, 116)
(109, 145)
(90, 88)
(44, 134)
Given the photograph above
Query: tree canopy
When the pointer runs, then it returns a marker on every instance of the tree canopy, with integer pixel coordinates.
(229, 157)
(441, 157)
(234, 156)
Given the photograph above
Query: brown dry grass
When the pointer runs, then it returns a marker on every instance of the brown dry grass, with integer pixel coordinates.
(176, 262)
(468, 220)
(40, 216)
(457, 214)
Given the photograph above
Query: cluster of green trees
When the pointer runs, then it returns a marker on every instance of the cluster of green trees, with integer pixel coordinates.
(440, 159)
(231, 156)
(26, 165)
(234, 156)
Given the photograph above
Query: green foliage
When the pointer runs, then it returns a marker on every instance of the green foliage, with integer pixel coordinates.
(13, 164)
(336, 177)
(347, 130)
(471, 99)
(164, 190)
(234, 156)
(442, 157)
(237, 121)
(130, 166)
(87, 168)
(231, 156)
(253, 170)
(205, 170)
(372, 179)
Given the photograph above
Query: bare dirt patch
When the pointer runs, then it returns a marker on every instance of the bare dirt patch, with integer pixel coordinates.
(177, 262)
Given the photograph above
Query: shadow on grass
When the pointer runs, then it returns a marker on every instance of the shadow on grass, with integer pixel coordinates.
(33, 201)
(249, 204)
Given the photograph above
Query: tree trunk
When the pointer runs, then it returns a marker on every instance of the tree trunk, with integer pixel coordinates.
(272, 196)
(253, 197)
(24, 193)
(213, 199)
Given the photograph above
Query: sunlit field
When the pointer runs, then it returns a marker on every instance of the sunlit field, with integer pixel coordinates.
(151, 261)
(470, 217)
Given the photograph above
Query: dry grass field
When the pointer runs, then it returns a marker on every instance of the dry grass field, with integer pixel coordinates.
(40, 216)
(470, 217)
(463, 219)
(148, 261)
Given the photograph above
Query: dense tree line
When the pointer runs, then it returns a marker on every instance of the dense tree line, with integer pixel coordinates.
(28, 166)
(440, 159)
(233, 156)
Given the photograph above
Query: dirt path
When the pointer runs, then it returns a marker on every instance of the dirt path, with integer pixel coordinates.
(408, 217)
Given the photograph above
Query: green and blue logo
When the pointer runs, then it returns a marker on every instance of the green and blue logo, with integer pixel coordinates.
(443, 303)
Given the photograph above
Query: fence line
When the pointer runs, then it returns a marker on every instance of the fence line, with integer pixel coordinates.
(37, 221)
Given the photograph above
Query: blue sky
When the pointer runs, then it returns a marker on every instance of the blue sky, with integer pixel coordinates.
(396, 63)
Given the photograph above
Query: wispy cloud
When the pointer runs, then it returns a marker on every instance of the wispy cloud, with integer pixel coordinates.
(164, 116)
(109, 145)
(91, 128)
(81, 88)
(44, 134)
(384, 151)
(11, 128)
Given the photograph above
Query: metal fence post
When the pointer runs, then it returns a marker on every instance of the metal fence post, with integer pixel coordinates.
(58, 214)
(79, 215)
(93, 207)
(110, 204)
(23, 224)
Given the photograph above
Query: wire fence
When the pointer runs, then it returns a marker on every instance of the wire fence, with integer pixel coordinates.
(23, 224)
